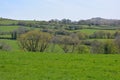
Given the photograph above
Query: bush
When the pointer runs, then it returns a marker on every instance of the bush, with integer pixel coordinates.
(108, 47)
(4, 46)
(111, 48)
(82, 49)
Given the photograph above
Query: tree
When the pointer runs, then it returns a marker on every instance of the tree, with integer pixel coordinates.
(117, 34)
(17, 32)
(35, 41)
(68, 43)
(117, 42)
(82, 36)
(99, 35)
(97, 47)
(62, 32)
(14, 35)
(110, 48)
(66, 21)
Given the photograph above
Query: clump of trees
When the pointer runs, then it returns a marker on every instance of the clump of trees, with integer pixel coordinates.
(68, 43)
(108, 47)
(102, 35)
(34, 41)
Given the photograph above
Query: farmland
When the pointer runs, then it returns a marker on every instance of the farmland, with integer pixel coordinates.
(51, 66)
(88, 61)
(8, 28)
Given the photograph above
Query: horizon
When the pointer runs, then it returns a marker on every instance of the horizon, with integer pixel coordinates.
(59, 9)
(57, 19)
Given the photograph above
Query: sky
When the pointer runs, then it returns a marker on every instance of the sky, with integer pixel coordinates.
(59, 9)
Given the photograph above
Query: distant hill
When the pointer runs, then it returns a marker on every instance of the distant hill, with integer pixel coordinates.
(102, 21)
(92, 21)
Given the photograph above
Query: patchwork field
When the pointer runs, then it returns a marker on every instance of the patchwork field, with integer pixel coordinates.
(54, 63)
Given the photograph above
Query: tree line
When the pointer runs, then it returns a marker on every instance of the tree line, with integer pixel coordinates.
(37, 41)
(40, 41)
(60, 23)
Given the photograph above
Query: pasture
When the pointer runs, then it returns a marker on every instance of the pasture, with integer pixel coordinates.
(52, 66)
(91, 31)
(8, 28)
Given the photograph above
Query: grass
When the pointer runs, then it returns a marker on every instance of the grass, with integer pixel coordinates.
(10, 28)
(91, 31)
(49, 66)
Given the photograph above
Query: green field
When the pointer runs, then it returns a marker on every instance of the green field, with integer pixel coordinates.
(49, 66)
(91, 31)
(8, 28)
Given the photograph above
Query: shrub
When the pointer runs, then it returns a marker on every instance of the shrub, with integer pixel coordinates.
(82, 49)
(4, 46)
(111, 48)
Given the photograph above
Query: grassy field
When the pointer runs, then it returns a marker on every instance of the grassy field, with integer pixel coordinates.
(91, 31)
(8, 28)
(49, 66)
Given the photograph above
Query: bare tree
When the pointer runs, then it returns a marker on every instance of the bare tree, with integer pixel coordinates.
(68, 43)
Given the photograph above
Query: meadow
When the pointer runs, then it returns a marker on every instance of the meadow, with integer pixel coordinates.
(8, 28)
(91, 31)
(52, 66)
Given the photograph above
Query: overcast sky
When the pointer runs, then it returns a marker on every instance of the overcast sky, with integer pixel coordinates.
(59, 9)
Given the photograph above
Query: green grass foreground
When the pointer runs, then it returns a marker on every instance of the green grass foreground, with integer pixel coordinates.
(49, 66)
